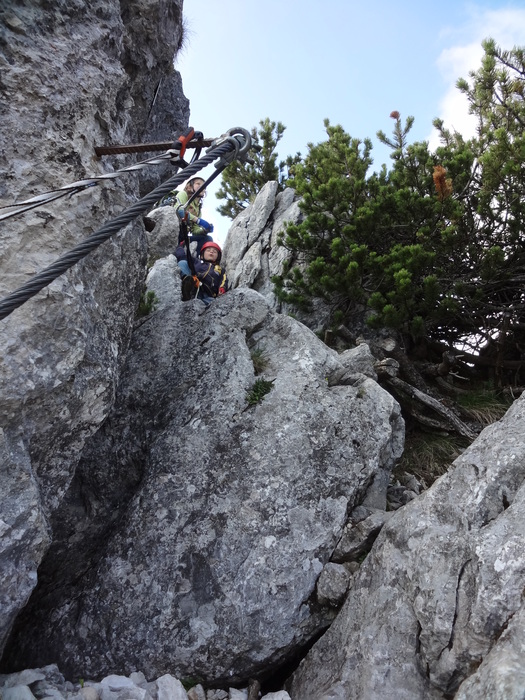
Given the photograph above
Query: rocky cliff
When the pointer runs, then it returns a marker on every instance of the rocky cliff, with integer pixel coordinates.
(72, 77)
(197, 492)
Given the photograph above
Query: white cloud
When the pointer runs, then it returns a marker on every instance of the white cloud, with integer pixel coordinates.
(506, 27)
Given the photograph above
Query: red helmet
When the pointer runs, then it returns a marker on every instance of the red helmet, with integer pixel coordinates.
(211, 244)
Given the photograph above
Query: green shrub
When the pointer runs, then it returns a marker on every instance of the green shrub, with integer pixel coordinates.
(147, 304)
(258, 391)
(190, 682)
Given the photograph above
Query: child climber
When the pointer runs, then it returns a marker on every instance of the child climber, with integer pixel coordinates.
(211, 280)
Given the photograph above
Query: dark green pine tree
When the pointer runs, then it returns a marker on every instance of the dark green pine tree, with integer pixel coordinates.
(360, 243)
(242, 181)
(433, 246)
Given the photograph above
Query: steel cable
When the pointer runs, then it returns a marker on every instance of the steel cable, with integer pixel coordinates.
(46, 276)
(74, 187)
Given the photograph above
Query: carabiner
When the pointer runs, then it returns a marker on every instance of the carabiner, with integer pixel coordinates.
(241, 145)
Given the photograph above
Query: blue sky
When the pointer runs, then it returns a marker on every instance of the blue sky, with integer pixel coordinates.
(301, 61)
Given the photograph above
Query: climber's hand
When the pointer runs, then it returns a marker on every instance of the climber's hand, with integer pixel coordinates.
(205, 225)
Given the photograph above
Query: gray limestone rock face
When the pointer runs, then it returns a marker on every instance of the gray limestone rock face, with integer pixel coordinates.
(24, 537)
(359, 534)
(332, 584)
(250, 227)
(223, 511)
(441, 585)
(164, 281)
(252, 253)
(502, 672)
(74, 75)
(163, 238)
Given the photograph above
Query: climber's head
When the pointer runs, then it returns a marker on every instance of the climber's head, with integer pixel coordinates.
(193, 185)
(211, 252)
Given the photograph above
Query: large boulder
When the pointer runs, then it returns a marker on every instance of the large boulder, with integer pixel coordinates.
(441, 591)
(204, 511)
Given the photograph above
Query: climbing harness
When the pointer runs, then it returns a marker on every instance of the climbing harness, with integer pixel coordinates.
(235, 143)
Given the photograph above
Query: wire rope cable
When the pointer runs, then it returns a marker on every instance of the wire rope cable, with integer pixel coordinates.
(78, 186)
